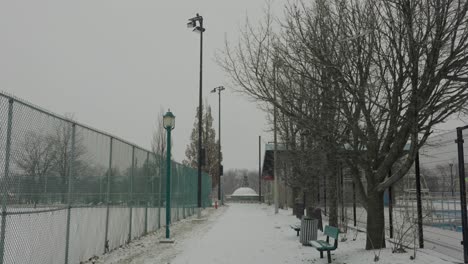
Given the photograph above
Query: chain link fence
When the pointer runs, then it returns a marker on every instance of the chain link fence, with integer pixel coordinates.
(70, 192)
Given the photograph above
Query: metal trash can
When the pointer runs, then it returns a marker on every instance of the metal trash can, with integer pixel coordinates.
(309, 228)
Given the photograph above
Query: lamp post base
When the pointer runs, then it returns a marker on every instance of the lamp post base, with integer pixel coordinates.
(167, 241)
(199, 220)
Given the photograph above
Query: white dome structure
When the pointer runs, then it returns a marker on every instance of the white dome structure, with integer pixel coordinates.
(244, 191)
(243, 195)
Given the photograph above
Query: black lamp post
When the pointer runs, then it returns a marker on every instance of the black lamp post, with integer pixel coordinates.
(193, 24)
(219, 89)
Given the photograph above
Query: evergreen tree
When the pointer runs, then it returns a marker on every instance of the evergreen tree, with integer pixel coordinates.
(209, 144)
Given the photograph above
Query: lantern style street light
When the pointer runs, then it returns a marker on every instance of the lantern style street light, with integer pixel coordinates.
(169, 125)
(192, 23)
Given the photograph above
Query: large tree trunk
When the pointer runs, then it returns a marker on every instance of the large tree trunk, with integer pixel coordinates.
(375, 220)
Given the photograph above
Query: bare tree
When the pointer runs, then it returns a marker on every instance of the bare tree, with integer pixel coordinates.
(367, 80)
(36, 160)
(158, 146)
(401, 76)
(231, 181)
(235, 178)
(275, 68)
(62, 142)
(159, 140)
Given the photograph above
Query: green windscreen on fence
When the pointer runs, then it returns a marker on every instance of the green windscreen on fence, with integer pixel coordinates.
(70, 192)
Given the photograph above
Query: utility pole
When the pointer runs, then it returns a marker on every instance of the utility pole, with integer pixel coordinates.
(275, 151)
(260, 169)
(418, 200)
(220, 171)
(451, 179)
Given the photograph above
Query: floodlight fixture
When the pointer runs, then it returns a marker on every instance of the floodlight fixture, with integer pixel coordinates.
(191, 24)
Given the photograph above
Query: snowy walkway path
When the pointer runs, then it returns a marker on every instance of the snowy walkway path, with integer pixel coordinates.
(247, 233)
(250, 234)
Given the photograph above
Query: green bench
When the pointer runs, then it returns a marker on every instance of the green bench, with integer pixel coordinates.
(296, 228)
(320, 245)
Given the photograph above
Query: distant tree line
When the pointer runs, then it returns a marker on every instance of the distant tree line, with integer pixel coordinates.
(234, 178)
(41, 170)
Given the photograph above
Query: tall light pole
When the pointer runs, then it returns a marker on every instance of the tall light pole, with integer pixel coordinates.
(193, 24)
(219, 89)
(169, 125)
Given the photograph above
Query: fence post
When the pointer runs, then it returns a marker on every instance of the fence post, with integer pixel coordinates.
(160, 182)
(130, 198)
(195, 194)
(109, 172)
(390, 210)
(178, 191)
(194, 197)
(70, 175)
(183, 192)
(354, 203)
(189, 193)
(152, 186)
(146, 191)
(342, 193)
(173, 194)
(325, 193)
(5, 180)
(418, 200)
(170, 194)
(461, 175)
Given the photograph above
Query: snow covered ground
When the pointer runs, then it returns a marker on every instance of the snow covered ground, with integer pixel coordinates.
(40, 237)
(250, 233)
(446, 242)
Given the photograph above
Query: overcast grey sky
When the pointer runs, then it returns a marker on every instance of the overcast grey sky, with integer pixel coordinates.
(115, 63)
